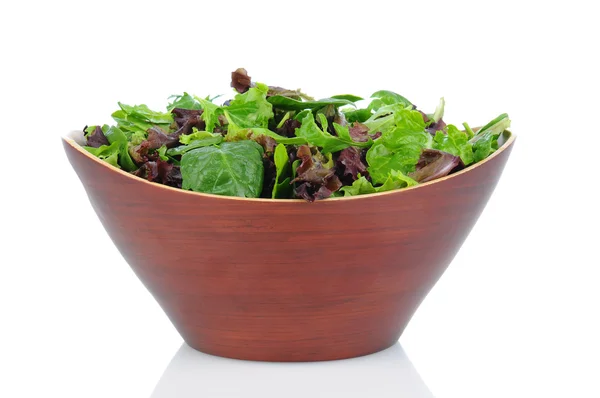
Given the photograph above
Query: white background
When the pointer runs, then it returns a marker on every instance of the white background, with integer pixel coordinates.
(515, 315)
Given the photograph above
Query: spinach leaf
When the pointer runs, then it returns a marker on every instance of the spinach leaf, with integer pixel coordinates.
(231, 169)
(282, 188)
(455, 142)
(290, 104)
(398, 148)
(362, 186)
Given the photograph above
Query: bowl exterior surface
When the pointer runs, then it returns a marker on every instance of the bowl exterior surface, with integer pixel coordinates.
(288, 280)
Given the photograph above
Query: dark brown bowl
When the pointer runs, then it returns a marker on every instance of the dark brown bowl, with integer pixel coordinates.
(287, 280)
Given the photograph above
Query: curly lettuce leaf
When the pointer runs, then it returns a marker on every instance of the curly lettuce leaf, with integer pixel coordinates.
(250, 109)
(362, 186)
(320, 137)
(383, 119)
(139, 118)
(399, 148)
(316, 178)
(314, 135)
(210, 113)
(142, 112)
(231, 169)
(350, 164)
(455, 142)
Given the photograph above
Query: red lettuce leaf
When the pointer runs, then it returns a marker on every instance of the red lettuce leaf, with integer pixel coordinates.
(289, 128)
(160, 172)
(350, 163)
(315, 180)
(96, 138)
(434, 164)
(359, 132)
(240, 80)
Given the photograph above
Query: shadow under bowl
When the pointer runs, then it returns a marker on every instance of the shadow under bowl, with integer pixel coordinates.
(287, 280)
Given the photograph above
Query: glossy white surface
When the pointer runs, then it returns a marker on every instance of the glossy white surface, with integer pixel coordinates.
(385, 374)
(515, 316)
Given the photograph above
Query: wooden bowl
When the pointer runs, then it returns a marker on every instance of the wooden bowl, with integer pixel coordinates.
(287, 280)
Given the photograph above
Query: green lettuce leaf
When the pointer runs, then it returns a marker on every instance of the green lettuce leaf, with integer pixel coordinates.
(108, 153)
(385, 97)
(383, 119)
(138, 119)
(310, 131)
(194, 144)
(142, 112)
(485, 142)
(210, 113)
(359, 115)
(349, 97)
(362, 186)
(237, 133)
(196, 135)
(343, 133)
(439, 111)
(231, 169)
(184, 101)
(116, 136)
(282, 188)
(250, 109)
(398, 148)
(456, 143)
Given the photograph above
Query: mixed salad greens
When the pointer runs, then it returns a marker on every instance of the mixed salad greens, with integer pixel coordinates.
(271, 142)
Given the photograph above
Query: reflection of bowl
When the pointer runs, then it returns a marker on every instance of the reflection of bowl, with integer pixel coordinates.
(287, 280)
(388, 373)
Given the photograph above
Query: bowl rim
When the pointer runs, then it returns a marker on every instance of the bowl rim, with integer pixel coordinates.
(71, 139)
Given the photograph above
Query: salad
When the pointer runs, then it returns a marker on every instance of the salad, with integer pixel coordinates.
(272, 142)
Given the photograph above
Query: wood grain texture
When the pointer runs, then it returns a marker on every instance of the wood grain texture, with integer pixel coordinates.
(288, 280)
